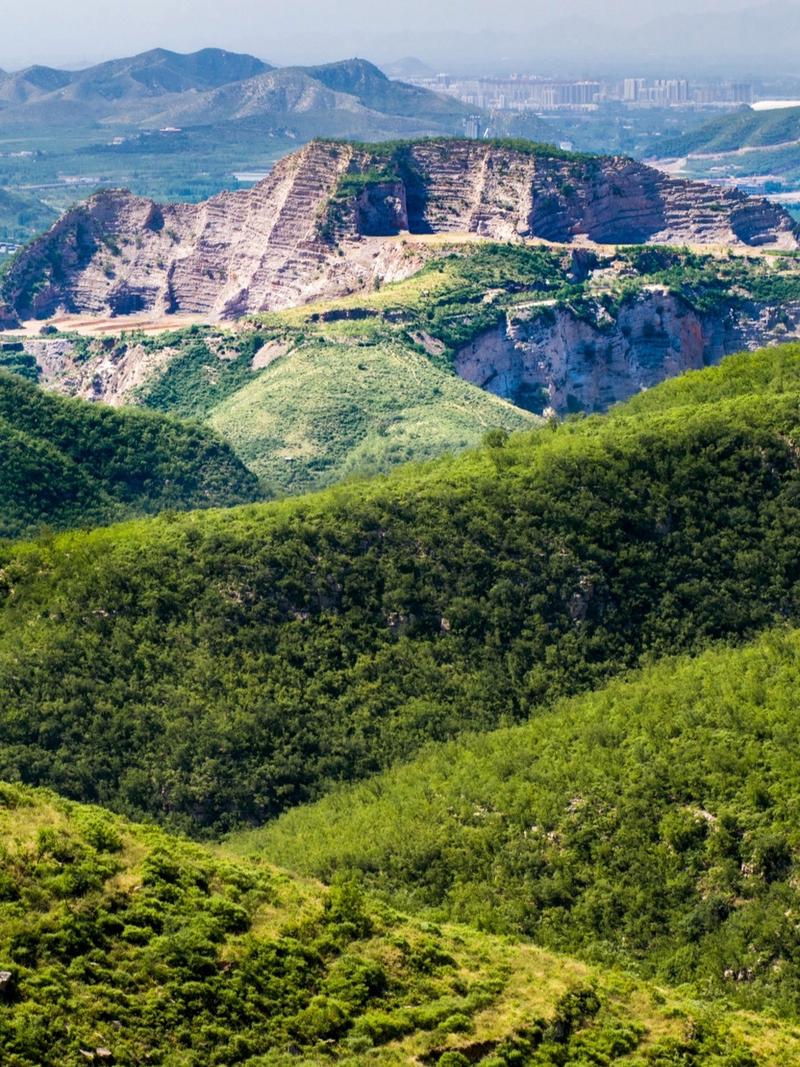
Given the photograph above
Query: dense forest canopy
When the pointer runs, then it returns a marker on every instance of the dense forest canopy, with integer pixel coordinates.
(214, 670)
(653, 822)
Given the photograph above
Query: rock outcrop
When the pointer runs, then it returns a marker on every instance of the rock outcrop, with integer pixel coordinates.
(113, 371)
(295, 236)
(8, 318)
(505, 192)
(550, 359)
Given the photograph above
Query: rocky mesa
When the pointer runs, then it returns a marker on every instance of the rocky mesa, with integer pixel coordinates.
(299, 234)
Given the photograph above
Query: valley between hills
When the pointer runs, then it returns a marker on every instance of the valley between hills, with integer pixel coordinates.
(399, 619)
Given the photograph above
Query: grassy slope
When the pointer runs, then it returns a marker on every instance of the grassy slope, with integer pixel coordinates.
(68, 463)
(652, 823)
(357, 397)
(120, 938)
(243, 662)
(329, 411)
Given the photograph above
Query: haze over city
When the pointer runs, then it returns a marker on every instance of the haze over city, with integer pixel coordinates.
(576, 36)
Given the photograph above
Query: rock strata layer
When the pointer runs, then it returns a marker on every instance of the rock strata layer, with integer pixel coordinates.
(297, 235)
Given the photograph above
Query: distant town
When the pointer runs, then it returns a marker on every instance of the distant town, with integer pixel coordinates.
(530, 92)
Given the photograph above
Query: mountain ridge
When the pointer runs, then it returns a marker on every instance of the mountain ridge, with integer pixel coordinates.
(745, 128)
(163, 88)
(324, 638)
(157, 71)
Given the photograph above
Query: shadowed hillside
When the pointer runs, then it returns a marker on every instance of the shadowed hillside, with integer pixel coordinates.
(69, 463)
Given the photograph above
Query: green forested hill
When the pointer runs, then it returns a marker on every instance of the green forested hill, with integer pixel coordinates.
(742, 129)
(652, 823)
(216, 669)
(21, 214)
(119, 944)
(71, 463)
(768, 372)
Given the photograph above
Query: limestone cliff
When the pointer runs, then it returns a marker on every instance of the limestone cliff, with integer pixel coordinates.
(298, 235)
(555, 359)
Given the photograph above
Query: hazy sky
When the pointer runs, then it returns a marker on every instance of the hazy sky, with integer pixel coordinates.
(72, 32)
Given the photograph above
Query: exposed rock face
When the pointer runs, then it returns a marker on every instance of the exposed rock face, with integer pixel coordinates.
(235, 253)
(548, 358)
(486, 188)
(276, 245)
(545, 357)
(8, 318)
(113, 374)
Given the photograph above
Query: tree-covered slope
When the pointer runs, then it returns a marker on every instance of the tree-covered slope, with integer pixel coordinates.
(70, 463)
(219, 668)
(770, 371)
(652, 823)
(120, 944)
(742, 129)
(22, 213)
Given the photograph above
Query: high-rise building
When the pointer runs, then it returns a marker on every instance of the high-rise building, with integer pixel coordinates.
(577, 94)
(632, 89)
(472, 127)
(671, 90)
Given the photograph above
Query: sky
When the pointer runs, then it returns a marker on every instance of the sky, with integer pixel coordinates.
(449, 34)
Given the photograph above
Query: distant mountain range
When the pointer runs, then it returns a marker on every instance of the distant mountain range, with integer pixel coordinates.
(150, 74)
(161, 88)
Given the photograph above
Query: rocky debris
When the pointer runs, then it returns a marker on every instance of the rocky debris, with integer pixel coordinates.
(268, 353)
(432, 345)
(550, 359)
(109, 369)
(297, 236)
